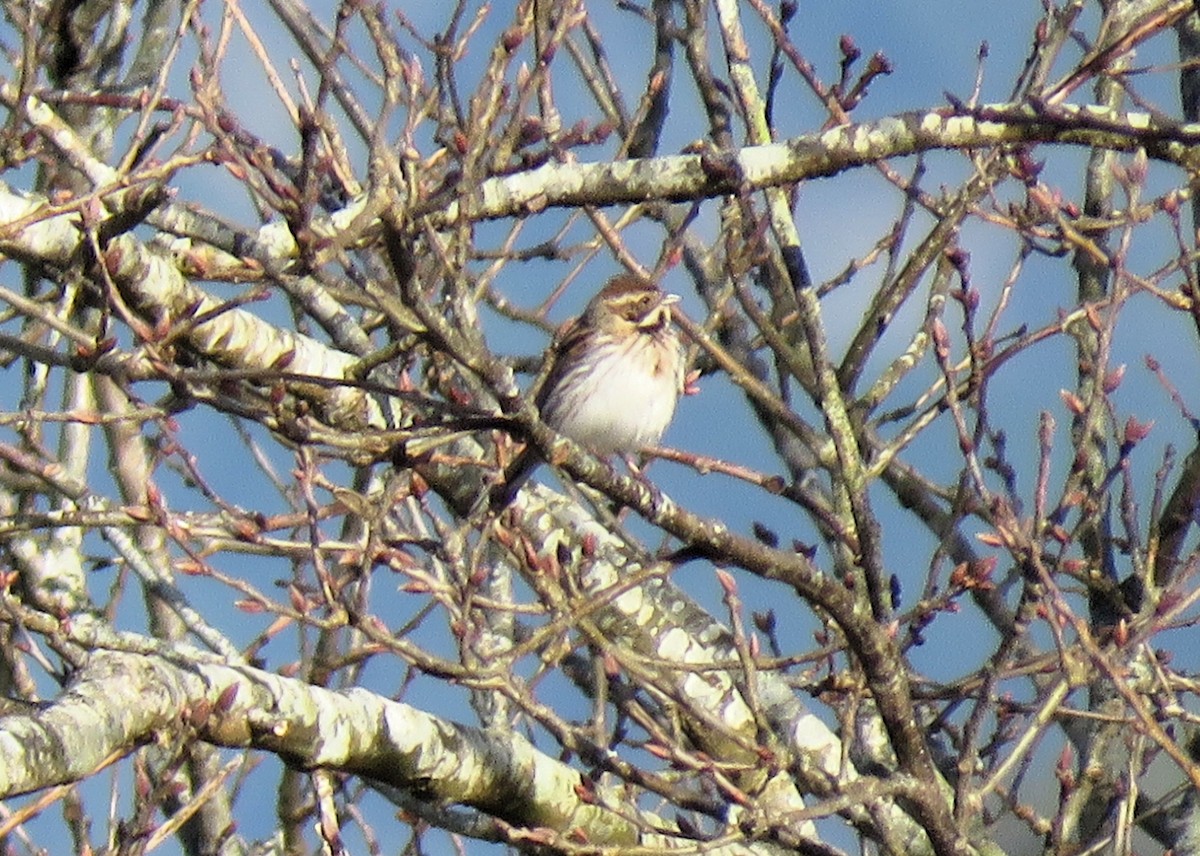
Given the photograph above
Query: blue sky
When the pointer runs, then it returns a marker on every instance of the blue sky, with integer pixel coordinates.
(933, 46)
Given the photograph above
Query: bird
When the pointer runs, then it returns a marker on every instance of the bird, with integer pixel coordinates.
(616, 373)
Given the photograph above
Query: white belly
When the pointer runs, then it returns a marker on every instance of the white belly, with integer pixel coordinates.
(622, 405)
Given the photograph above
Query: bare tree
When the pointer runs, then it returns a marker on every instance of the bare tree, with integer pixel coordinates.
(922, 581)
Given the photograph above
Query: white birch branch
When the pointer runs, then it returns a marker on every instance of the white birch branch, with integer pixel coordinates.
(119, 701)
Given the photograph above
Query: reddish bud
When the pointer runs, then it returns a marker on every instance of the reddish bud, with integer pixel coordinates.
(1113, 379)
(1074, 402)
(191, 568)
(532, 131)
(512, 38)
(284, 360)
(765, 535)
(879, 64)
(728, 583)
(1136, 431)
(657, 750)
(226, 699)
(941, 338)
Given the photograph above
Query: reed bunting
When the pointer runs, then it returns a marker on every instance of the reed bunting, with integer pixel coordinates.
(615, 376)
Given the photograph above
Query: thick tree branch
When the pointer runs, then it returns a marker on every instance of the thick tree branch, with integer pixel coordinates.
(119, 701)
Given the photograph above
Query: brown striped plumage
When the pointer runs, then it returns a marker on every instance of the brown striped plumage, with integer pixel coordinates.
(617, 372)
